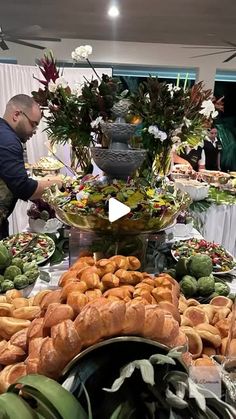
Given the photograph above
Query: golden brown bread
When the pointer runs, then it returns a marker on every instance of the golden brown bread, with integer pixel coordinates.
(56, 313)
(65, 332)
(196, 315)
(20, 339)
(11, 354)
(169, 332)
(148, 281)
(32, 361)
(169, 307)
(221, 301)
(133, 263)
(11, 294)
(220, 313)
(77, 301)
(209, 310)
(67, 277)
(27, 313)
(203, 362)
(93, 294)
(89, 325)
(10, 374)
(192, 302)
(105, 266)
(91, 278)
(35, 330)
(10, 325)
(209, 333)
(208, 350)
(223, 326)
(6, 309)
(121, 262)
(144, 286)
(144, 293)
(52, 297)
(185, 321)
(123, 292)
(134, 318)
(51, 362)
(38, 297)
(153, 322)
(3, 299)
(79, 286)
(194, 341)
(112, 316)
(110, 280)
(162, 294)
(20, 302)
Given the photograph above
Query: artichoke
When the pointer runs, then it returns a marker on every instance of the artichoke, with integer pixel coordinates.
(29, 266)
(32, 275)
(6, 285)
(11, 271)
(17, 262)
(200, 265)
(206, 285)
(188, 285)
(222, 289)
(21, 281)
(5, 257)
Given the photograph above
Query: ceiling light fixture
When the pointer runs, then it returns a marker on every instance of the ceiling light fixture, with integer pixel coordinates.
(113, 11)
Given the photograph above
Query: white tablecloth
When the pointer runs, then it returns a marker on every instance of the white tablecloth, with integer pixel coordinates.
(218, 224)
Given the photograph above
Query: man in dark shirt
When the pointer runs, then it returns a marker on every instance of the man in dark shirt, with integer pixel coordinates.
(19, 123)
(212, 149)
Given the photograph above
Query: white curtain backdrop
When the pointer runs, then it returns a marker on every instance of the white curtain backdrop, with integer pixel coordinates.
(16, 79)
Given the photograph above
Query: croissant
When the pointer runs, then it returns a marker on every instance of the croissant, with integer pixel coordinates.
(194, 341)
(122, 292)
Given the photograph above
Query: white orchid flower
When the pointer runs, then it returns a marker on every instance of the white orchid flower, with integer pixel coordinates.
(96, 122)
(52, 87)
(208, 109)
(147, 98)
(158, 134)
(61, 82)
(82, 52)
(77, 89)
(187, 122)
(172, 89)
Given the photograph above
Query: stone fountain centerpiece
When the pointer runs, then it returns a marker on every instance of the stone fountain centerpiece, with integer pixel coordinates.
(119, 160)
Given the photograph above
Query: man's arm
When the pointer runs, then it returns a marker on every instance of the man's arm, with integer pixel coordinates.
(179, 160)
(46, 183)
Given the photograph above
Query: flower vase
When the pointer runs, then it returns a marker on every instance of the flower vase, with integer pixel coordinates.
(161, 164)
(81, 159)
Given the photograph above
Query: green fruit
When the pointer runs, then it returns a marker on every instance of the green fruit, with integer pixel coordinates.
(200, 265)
(222, 289)
(21, 281)
(17, 262)
(11, 272)
(5, 257)
(6, 285)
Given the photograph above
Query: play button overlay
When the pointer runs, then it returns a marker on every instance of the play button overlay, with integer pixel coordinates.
(116, 210)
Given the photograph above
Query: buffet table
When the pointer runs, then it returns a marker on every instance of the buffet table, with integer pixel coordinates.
(217, 223)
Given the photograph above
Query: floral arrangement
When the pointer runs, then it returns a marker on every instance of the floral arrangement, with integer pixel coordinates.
(74, 114)
(169, 114)
(172, 115)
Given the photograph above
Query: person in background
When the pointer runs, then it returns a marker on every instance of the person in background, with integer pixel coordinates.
(19, 123)
(212, 149)
(195, 159)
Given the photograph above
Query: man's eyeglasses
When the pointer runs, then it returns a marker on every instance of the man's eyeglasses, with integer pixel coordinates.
(34, 124)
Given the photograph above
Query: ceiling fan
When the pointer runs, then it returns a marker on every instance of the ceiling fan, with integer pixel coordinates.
(22, 37)
(229, 49)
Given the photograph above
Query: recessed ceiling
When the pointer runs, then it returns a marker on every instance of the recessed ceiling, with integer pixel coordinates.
(193, 22)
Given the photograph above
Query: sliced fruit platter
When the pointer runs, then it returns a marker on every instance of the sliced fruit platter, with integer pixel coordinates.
(222, 261)
(30, 246)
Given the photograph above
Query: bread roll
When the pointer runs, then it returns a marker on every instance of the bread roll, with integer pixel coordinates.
(209, 334)
(27, 313)
(148, 281)
(35, 330)
(180, 340)
(10, 325)
(208, 350)
(3, 299)
(105, 266)
(20, 339)
(223, 326)
(38, 297)
(11, 294)
(220, 313)
(196, 315)
(32, 361)
(79, 286)
(209, 310)
(153, 322)
(121, 262)
(110, 280)
(169, 332)
(144, 286)
(204, 362)
(169, 307)
(144, 293)
(20, 302)
(70, 275)
(51, 362)
(134, 318)
(11, 354)
(221, 301)
(162, 294)
(112, 315)
(121, 292)
(77, 301)
(194, 341)
(89, 325)
(52, 297)
(66, 332)
(185, 321)
(91, 277)
(133, 263)
(182, 304)
(192, 302)
(93, 294)
(56, 313)
(10, 374)
(6, 309)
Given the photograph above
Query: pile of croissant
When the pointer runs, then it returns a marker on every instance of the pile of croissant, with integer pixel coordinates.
(207, 327)
(95, 301)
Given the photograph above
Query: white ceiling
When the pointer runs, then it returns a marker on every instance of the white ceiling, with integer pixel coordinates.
(193, 22)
